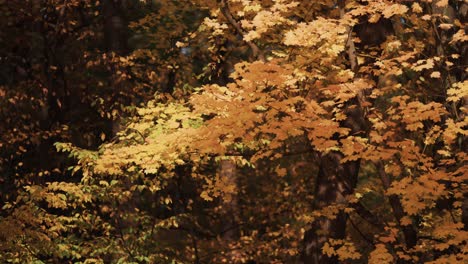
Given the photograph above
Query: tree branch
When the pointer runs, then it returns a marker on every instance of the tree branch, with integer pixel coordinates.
(410, 234)
(349, 43)
(367, 215)
(367, 239)
(256, 52)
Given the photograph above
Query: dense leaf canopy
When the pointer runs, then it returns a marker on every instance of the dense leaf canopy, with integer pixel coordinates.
(233, 131)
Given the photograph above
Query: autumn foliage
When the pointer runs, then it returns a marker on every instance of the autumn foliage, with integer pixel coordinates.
(241, 131)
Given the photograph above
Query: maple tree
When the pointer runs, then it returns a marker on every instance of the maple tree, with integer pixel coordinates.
(281, 131)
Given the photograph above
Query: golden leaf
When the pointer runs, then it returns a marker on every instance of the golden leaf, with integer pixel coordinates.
(442, 3)
(435, 74)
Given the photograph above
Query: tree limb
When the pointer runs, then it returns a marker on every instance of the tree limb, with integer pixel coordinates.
(256, 52)
(410, 234)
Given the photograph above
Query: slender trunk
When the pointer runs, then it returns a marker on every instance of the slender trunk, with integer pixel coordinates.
(54, 97)
(115, 28)
(334, 181)
(409, 232)
(228, 176)
(115, 40)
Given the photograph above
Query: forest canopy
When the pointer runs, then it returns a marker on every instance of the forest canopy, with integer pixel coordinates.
(233, 131)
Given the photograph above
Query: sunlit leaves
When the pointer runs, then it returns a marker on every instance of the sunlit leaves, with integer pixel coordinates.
(326, 36)
(152, 140)
(414, 113)
(343, 249)
(157, 192)
(457, 92)
(380, 255)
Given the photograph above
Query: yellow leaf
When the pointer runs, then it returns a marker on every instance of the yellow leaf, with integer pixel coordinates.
(204, 195)
(445, 26)
(426, 17)
(396, 9)
(442, 3)
(374, 18)
(435, 74)
(416, 8)
(457, 92)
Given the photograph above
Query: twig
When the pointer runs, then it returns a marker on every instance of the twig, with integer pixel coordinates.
(195, 249)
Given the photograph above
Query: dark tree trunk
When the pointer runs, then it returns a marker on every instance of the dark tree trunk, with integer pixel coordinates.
(115, 27)
(335, 180)
(115, 40)
(410, 234)
(228, 175)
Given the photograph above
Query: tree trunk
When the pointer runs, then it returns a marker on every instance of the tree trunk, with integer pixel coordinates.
(115, 28)
(115, 40)
(410, 234)
(228, 176)
(334, 182)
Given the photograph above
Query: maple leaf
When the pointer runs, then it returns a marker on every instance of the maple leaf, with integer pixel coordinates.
(442, 3)
(380, 255)
(394, 9)
(457, 92)
(416, 8)
(435, 74)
